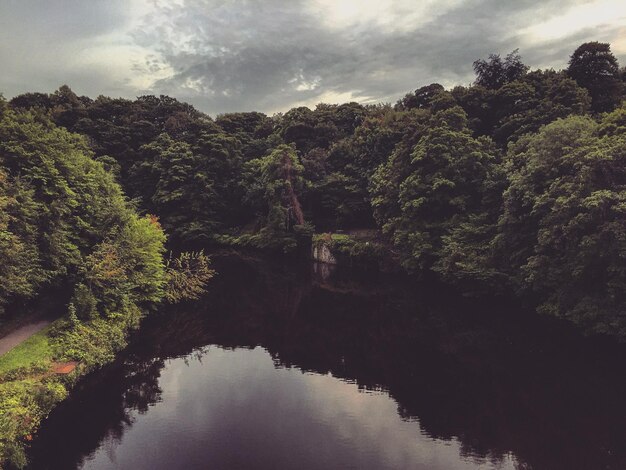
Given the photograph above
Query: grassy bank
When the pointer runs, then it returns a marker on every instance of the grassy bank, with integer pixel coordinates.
(35, 349)
(39, 373)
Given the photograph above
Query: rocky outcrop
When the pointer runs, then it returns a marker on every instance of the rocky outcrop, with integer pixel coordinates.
(321, 253)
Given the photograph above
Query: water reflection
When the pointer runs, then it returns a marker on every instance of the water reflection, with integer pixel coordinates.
(428, 380)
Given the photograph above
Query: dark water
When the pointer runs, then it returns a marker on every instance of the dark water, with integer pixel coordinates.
(293, 367)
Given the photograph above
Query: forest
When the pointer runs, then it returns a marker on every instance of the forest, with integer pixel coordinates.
(514, 185)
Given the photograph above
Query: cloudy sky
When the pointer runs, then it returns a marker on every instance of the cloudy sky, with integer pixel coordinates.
(270, 55)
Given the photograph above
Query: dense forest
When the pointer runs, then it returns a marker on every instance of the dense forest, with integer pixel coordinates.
(515, 184)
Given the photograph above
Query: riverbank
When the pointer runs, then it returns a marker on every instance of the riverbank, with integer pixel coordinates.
(19, 335)
(41, 371)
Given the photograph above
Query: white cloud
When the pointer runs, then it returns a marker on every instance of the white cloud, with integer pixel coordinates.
(393, 15)
(589, 15)
(270, 55)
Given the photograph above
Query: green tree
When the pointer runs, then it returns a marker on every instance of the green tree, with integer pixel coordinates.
(434, 189)
(20, 269)
(523, 106)
(66, 220)
(495, 72)
(595, 68)
(563, 230)
(275, 181)
(421, 98)
(187, 276)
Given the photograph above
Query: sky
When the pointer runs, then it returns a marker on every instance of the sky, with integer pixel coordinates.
(271, 55)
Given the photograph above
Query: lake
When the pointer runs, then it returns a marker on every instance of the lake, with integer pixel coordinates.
(304, 366)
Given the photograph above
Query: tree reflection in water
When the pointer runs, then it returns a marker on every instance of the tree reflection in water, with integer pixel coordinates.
(499, 382)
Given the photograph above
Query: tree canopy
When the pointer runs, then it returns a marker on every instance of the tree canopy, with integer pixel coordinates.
(495, 72)
(595, 68)
(511, 184)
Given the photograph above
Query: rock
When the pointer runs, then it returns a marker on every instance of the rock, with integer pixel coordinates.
(322, 254)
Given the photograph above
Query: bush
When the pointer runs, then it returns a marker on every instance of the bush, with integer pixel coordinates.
(84, 302)
(187, 276)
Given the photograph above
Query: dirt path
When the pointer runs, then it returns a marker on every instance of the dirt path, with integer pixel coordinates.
(16, 337)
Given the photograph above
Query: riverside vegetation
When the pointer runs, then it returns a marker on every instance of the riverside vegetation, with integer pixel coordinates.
(514, 185)
(65, 224)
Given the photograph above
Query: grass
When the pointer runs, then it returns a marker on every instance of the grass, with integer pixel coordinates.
(27, 394)
(330, 237)
(34, 350)
(30, 388)
(340, 237)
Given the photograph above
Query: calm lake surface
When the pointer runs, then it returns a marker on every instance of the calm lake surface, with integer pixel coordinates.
(298, 366)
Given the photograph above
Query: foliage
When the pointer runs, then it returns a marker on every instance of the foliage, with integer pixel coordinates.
(20, 271)
(29, 389)
(422, 98)
(463, 183)
(421, 198)
(58, 202)
(273, 185)
(96, 342)
(353, 250)
(64, 221)
(495, 72)
(564, 224)
(199, 177)
(521, 106)
(595, 68)
(22, 405)
(187, 275)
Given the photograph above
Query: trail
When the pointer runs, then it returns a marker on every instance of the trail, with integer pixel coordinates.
(20, 335)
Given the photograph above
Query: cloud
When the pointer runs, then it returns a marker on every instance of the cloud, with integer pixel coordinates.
(46, 44)
(596, 14)
(270, 55)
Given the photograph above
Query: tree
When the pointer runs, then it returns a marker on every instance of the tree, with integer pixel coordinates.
(562, 234)
(254, 131)
(495, 72)
(297, 126)
(541, 97)
(65, 219)
(202, 178)
(421, 98)
(595, 68)
(478, 103)
(275, 181)
(20, 268)
(67, 107)
(32, 100)
(419, 200)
